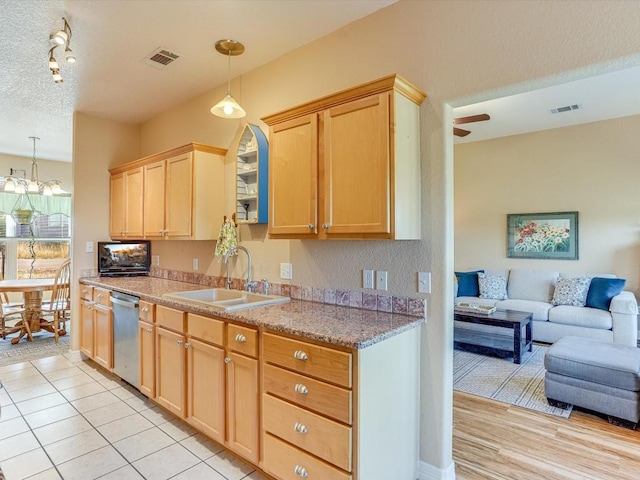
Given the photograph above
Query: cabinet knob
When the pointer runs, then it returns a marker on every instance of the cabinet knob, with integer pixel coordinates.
(179, 342)
(148, 330)
(187, 345)
(300, 428)
(311, 226)
(145, 309)
(325, 226)
(227, 360)
(300, 355)
(300, 471)
(300, 388)
(241, 338)
(100, 296)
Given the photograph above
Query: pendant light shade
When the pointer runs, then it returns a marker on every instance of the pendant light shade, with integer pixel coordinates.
(228, 107)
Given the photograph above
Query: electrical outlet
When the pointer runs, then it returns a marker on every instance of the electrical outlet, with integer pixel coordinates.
(286, 271)
(155, 260)
(424, 282)
(367, 279)
(88, 247)
(195, 264)
(381, 280)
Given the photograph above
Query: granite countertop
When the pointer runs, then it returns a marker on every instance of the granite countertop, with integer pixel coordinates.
(349, 327)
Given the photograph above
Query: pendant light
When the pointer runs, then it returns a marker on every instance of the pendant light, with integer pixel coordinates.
(228, 107)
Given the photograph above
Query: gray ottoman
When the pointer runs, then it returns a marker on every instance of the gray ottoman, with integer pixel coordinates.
(599, 376)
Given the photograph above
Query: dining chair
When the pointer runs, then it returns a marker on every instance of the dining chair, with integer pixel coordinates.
(59, 305)
(10, 311)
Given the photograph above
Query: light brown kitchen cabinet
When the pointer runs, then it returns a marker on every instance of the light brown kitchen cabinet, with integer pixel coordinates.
(182, 193)
(171, 360)
(147, 348)
(206, 376)
(243, 415)
(348, 165)
(96, 325)
(125, 218)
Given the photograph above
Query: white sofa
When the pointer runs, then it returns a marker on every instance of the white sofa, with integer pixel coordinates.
(533, 291)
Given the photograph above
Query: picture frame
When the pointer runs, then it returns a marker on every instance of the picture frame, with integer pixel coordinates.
(552, 235)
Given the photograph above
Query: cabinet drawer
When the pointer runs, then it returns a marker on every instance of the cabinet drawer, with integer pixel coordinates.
(86, 292)
(317, 435)
(101, 296)
(147, 312)
(289, 463)
(205, 328)
(313, 394)
(314, 360)
(171, 319)
(242, 340)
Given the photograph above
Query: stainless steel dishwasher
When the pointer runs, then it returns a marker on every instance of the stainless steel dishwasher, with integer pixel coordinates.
(125, 337)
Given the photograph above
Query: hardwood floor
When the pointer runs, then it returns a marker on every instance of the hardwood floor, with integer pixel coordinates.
(493, 440)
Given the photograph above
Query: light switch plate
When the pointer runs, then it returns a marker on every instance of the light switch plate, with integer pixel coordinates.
(381, 280)
(424, 282)
(195, 264)
(155, 260)
(286, 271)
(88, 247)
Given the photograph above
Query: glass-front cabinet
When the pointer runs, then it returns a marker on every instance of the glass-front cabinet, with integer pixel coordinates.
(252, 167)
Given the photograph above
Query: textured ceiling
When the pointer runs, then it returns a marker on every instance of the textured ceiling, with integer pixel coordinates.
(111, 38)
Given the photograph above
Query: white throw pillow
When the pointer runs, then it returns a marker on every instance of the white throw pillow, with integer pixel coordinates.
(492, 286)
(571, 291)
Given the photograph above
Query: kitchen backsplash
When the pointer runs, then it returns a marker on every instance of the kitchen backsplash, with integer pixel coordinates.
(416, 307)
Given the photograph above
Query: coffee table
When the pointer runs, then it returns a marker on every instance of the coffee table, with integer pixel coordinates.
(491, 343)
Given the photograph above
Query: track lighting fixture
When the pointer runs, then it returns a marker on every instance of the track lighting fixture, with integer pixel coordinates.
(61, 38)
(228, 107)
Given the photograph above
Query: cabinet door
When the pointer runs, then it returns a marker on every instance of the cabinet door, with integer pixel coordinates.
(147, 349)
(133, 203)
(205, 388)
(86, 328)
(117, 206)
(170, 371)
(103, 337)
(293, 177)
(356, 168)
(153, 203)
(242, 405)
(179, 188)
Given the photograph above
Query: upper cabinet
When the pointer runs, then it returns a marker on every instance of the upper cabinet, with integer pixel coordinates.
(348, 165)
(182, 193)
(252, 176)
(126, 204)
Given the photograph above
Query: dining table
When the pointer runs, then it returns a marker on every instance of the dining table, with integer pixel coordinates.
(32, 290)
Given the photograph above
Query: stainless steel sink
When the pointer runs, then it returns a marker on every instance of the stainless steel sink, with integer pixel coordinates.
(227, 300)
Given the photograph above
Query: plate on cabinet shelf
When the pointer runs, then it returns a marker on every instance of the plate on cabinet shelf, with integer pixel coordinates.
(247, 172)
(248, 153)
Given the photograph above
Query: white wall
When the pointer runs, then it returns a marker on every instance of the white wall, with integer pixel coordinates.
(457, 52)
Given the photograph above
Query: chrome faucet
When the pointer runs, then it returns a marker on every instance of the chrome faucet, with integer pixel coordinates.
(249, 283)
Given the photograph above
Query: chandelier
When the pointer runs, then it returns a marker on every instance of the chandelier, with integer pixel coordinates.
(33, 185)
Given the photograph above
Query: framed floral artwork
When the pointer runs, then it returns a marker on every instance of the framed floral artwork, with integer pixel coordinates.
(543, 235)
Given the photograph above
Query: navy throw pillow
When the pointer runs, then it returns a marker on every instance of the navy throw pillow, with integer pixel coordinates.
(602, 290)
(468, 283)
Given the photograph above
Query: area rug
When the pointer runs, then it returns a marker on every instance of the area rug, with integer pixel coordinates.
(502, 380)
(43, 345)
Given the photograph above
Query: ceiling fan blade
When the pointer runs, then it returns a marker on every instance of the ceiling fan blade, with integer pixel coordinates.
(460, 132)
(471, 119)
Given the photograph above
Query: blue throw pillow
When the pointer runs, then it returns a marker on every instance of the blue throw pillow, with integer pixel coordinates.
(602, 290)
(468, 283)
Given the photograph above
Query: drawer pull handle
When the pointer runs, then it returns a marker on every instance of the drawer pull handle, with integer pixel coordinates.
(227, 360)
(241, 338)
(300, 471)
(300, 388)
(145, 309)
(300, 428)
(300, 355)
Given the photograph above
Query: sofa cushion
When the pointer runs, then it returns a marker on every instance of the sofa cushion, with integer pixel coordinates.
(581, 316)
(602, 290)
(571, 291)
(492, 286)
(468, 283)
(489, 302)
(540, 310)
(534, 285)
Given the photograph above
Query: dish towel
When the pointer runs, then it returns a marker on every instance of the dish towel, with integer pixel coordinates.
(227, 238)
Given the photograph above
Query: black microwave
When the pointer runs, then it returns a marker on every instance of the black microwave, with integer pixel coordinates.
(124, 258)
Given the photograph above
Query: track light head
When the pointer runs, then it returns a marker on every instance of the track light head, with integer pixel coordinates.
(69, 56)
(59, 39)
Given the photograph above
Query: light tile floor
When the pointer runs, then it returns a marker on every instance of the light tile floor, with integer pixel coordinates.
(64, 417)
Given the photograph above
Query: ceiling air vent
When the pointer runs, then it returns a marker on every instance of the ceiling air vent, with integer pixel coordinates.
(161, 58)
(567, 108)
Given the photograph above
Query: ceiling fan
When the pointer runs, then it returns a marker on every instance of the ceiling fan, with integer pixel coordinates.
(462, 120)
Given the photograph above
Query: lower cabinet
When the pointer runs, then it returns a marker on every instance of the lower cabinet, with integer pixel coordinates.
(170, 371)
(96, 325)
(242, 405)
(147, 353)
